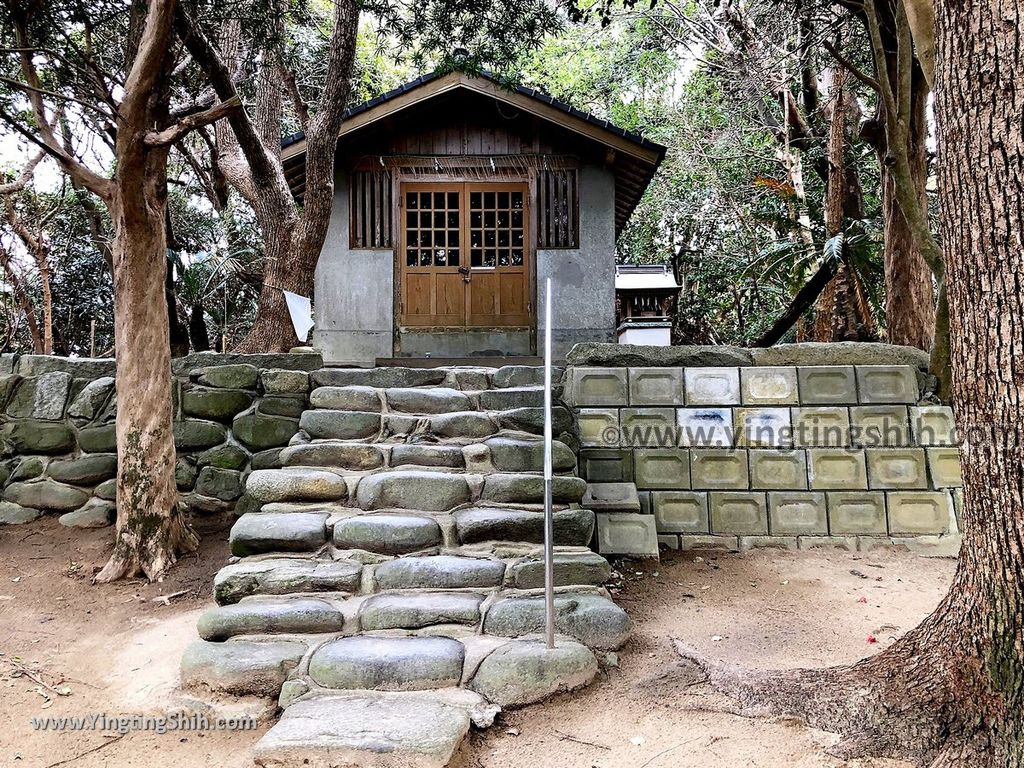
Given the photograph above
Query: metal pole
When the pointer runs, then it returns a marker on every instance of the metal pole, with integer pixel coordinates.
(549, 526)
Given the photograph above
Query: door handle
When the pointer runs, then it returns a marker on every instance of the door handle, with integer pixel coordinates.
(466, 274)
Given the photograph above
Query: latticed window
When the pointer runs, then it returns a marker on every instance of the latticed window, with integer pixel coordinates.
(558, 219)
(370, 208)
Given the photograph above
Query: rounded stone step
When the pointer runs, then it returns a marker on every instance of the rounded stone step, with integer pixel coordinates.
(387, 376)
(466, 424)
(529, 489)
(532, 420)
(271, 616)
(387, 534)
(573, 527)
(354, 398)
(285, 575)
(365, 729)
(569, 568)
(430, 400)
(342, 455)
(295, 484)
(439, 572)
(419, 609)
(522, 672)
(411, 489)
(513, 454)
(257, 532)
(594, 620)
(340, 425)
(522, 376)
(388, 663)
(512, 397)
(240, 667)
(428, 456)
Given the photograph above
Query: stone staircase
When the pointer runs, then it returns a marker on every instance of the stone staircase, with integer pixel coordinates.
(388, 587)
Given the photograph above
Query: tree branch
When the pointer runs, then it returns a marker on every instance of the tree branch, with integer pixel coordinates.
(852, 68)
(170, 135)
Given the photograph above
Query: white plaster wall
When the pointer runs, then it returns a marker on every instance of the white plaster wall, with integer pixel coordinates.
(583, 280)
(354, 293)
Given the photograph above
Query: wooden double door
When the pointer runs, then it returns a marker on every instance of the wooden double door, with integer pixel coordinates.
(464, 255)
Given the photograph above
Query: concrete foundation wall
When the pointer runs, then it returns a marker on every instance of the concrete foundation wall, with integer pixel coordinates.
(354, 293)
(789, 456)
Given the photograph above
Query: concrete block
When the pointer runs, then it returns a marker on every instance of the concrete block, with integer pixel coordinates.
(792, 513)
(778, 470)
(668, 540)
(856, 513)
(930, 546)
(827, 385)
(680, 511)
(719, 469)
(821, 427)
(847, 543)
(887, 384)
(712, 386)
(627, 534)
(662, 468)
(701, 542)
(656, 386)
(748, 543)
(705, 427)
(769, 386)
(890, 468)
(879, 426)
(771, 427)
(611, 497)
(738, 512)
(599, 427)
(597, 386)
(836, 469)
(648, 427)
(646, 506)
(933, 425)
(606, 465)
(920, 512)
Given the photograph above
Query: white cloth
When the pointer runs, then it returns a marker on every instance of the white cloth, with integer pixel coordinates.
(301, 310)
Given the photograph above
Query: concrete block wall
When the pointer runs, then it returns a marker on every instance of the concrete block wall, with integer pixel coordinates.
(787, 456)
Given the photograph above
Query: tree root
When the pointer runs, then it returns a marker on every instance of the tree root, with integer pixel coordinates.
(151, 555)
(903, 703)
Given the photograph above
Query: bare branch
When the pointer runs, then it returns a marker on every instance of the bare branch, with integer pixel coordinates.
(170, 135)
(23, 177)
(852, 68)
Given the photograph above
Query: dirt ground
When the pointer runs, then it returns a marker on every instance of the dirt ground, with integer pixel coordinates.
(68, 648)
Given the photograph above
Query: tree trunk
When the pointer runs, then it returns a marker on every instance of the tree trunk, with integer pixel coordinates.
(909, 295)
(151, 529)
(950, 693)
(45, 288)
(23, 301)
(198, 333)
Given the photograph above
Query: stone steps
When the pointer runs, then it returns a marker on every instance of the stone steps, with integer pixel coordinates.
(399, 531)
(388, 586)
(282, 574)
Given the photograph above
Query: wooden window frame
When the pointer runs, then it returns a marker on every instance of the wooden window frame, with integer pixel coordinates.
(554, 232)
(371, 225)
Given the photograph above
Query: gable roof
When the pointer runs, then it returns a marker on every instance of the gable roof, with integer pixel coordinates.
(635, 158)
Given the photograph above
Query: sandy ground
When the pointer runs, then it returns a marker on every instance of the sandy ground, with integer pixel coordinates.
(114, 649)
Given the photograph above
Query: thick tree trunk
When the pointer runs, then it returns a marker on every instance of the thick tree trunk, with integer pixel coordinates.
(198, 333)
(950, 693)
(151, 530)
(909, 295)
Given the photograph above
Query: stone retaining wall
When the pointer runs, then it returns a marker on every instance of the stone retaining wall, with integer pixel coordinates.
(742, 455)
(58, 455)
